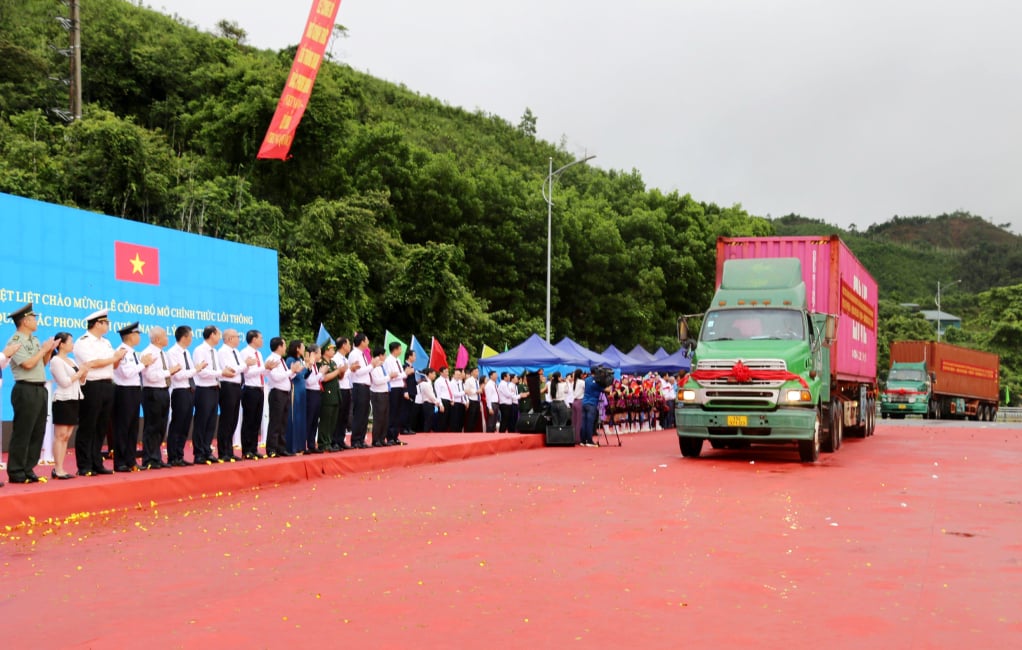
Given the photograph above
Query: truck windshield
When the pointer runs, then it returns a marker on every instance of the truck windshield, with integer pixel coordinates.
(753, 324)
(905, 374)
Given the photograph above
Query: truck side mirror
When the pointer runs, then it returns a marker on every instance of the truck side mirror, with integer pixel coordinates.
(682, 329)
(830, 328)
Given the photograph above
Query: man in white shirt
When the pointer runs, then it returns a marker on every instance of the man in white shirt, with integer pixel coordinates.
(444, 393)
(507, 396)
(396, 376)
(230, 395)
(492, 401)
(182, 388)
(156, 399)
(473, 416)
(379, 397)
(344, 388)
(458, 402)
(96, 410)
(430, 402)
(359, 370)
(279, 380)
(128, 398)
(207, 395)
(253, 395)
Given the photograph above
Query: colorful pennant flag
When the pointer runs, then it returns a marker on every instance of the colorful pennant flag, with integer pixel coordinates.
(437, 356)
(388, 338)
(323, 337)
(421, 358)
(461, 361)
(487, 352)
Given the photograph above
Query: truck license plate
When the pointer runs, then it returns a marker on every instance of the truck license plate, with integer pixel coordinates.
(738, 420)
(902, 406)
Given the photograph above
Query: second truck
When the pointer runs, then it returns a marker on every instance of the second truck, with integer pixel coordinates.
(939, 380)
(787, 350)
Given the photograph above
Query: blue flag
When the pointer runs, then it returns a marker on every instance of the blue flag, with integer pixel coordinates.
(323, 337)
(421, 358)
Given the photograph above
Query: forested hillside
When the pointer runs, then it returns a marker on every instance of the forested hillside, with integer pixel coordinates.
(399, 211)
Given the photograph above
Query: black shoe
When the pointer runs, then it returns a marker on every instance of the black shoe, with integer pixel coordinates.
(61, 477)
(408, 433)
(163, 465)
(343, 447)
(230, 459)
(179, 463)
(378, 444)
(148, 466)
(87, 472)
(251, 456)
(103, 470)
(314, 451)
(124, 468)
(287, 454)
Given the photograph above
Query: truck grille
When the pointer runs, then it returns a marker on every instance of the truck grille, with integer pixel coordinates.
(752, 364)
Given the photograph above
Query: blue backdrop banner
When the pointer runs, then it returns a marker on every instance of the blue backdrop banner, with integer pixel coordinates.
(70, 263)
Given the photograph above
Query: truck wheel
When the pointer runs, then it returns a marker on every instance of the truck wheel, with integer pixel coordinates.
(690, 447)
(872, 418)
(836, 431)
(809, 450)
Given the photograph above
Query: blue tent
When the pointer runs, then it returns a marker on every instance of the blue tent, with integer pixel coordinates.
(639, 353)
(533, 354)
(661, 354)
(677, 362)
(572, 348)
(626, 363)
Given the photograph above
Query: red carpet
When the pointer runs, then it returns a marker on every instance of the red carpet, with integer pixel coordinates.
(909, 539)
(101, 493)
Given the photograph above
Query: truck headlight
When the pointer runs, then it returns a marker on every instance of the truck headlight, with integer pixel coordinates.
(798, 396)
(688, 396)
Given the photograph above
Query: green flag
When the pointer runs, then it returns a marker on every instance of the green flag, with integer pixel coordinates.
(388, 337)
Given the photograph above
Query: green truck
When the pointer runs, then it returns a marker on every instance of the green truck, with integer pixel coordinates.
(786, 352)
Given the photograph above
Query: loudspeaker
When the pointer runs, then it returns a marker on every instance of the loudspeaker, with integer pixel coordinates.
(560, 436)
(532, 423)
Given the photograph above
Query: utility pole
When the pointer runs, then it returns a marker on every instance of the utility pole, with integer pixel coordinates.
(76, 61)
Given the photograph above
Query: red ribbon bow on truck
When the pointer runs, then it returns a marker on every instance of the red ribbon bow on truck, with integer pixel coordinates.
(743, 374)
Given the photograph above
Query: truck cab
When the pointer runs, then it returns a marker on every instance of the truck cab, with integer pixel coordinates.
(908, 391)
(760, 367)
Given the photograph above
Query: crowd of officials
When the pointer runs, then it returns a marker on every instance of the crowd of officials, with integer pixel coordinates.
(316, 397)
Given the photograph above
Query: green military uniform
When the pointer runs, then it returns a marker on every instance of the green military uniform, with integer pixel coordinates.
(330, 405)
(29, 399)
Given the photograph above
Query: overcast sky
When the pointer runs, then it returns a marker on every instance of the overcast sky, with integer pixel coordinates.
(849, 111)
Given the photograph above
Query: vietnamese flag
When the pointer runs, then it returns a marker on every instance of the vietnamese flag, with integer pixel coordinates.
(437, 356)
(134, 263)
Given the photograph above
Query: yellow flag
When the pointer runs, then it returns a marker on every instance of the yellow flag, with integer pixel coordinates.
(487, 352)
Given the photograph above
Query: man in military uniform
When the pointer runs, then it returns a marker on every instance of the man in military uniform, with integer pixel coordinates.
(128, 398)
(96, 410)
(28, 397)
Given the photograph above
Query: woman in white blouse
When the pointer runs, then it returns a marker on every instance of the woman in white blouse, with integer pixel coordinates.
(66, 398)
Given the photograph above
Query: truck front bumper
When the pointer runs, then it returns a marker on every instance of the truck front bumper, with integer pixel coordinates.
(892, 408)
(783, 424)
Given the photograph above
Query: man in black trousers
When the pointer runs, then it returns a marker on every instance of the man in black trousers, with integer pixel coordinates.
(128, 398)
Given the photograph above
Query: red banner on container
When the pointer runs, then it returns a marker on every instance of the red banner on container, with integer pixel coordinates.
(299, 84)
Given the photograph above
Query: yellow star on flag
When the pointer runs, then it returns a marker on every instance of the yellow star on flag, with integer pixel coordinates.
(136, 265)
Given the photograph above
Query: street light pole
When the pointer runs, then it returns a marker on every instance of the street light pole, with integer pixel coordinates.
(548, 195)
(938, 307)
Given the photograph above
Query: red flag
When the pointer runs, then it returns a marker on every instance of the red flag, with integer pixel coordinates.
(437, 356)
(462, 361)
(298, 87)
(134, 263)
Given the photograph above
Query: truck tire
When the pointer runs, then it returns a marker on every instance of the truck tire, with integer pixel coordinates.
(809, 450)
(835, 428)
(872, 417)
(690, 447)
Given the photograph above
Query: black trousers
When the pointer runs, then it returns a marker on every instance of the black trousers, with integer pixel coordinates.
(506, 414)
(280, 410)
(428, 417)
(491, 418)
(93, 423)
(359, 413)
(251, 418)
(343, 417)
(442, 420)
(313, 406)
(397, 400)
(381, 419)
(457, 420)
(473, 421)
(155, 407)
(29, 429)
(230, 403)
(127, 399)
(207, 398)
(181, 402)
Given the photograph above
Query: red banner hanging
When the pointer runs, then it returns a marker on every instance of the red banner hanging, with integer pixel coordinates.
(299, 84)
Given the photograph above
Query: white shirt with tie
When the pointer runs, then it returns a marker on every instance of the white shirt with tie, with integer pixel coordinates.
(208, 377)
(129, 371)
(157, 373)
(280, 376)
(254, 375)
(229, 358)
(442, 387)
(179, 356)
(360, 376)
(391, 365)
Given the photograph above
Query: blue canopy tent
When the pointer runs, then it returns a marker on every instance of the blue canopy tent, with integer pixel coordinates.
(640, 353)
(533, 354)
(572, 348)
(661, 354)
(673, 363)
(626, 363)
